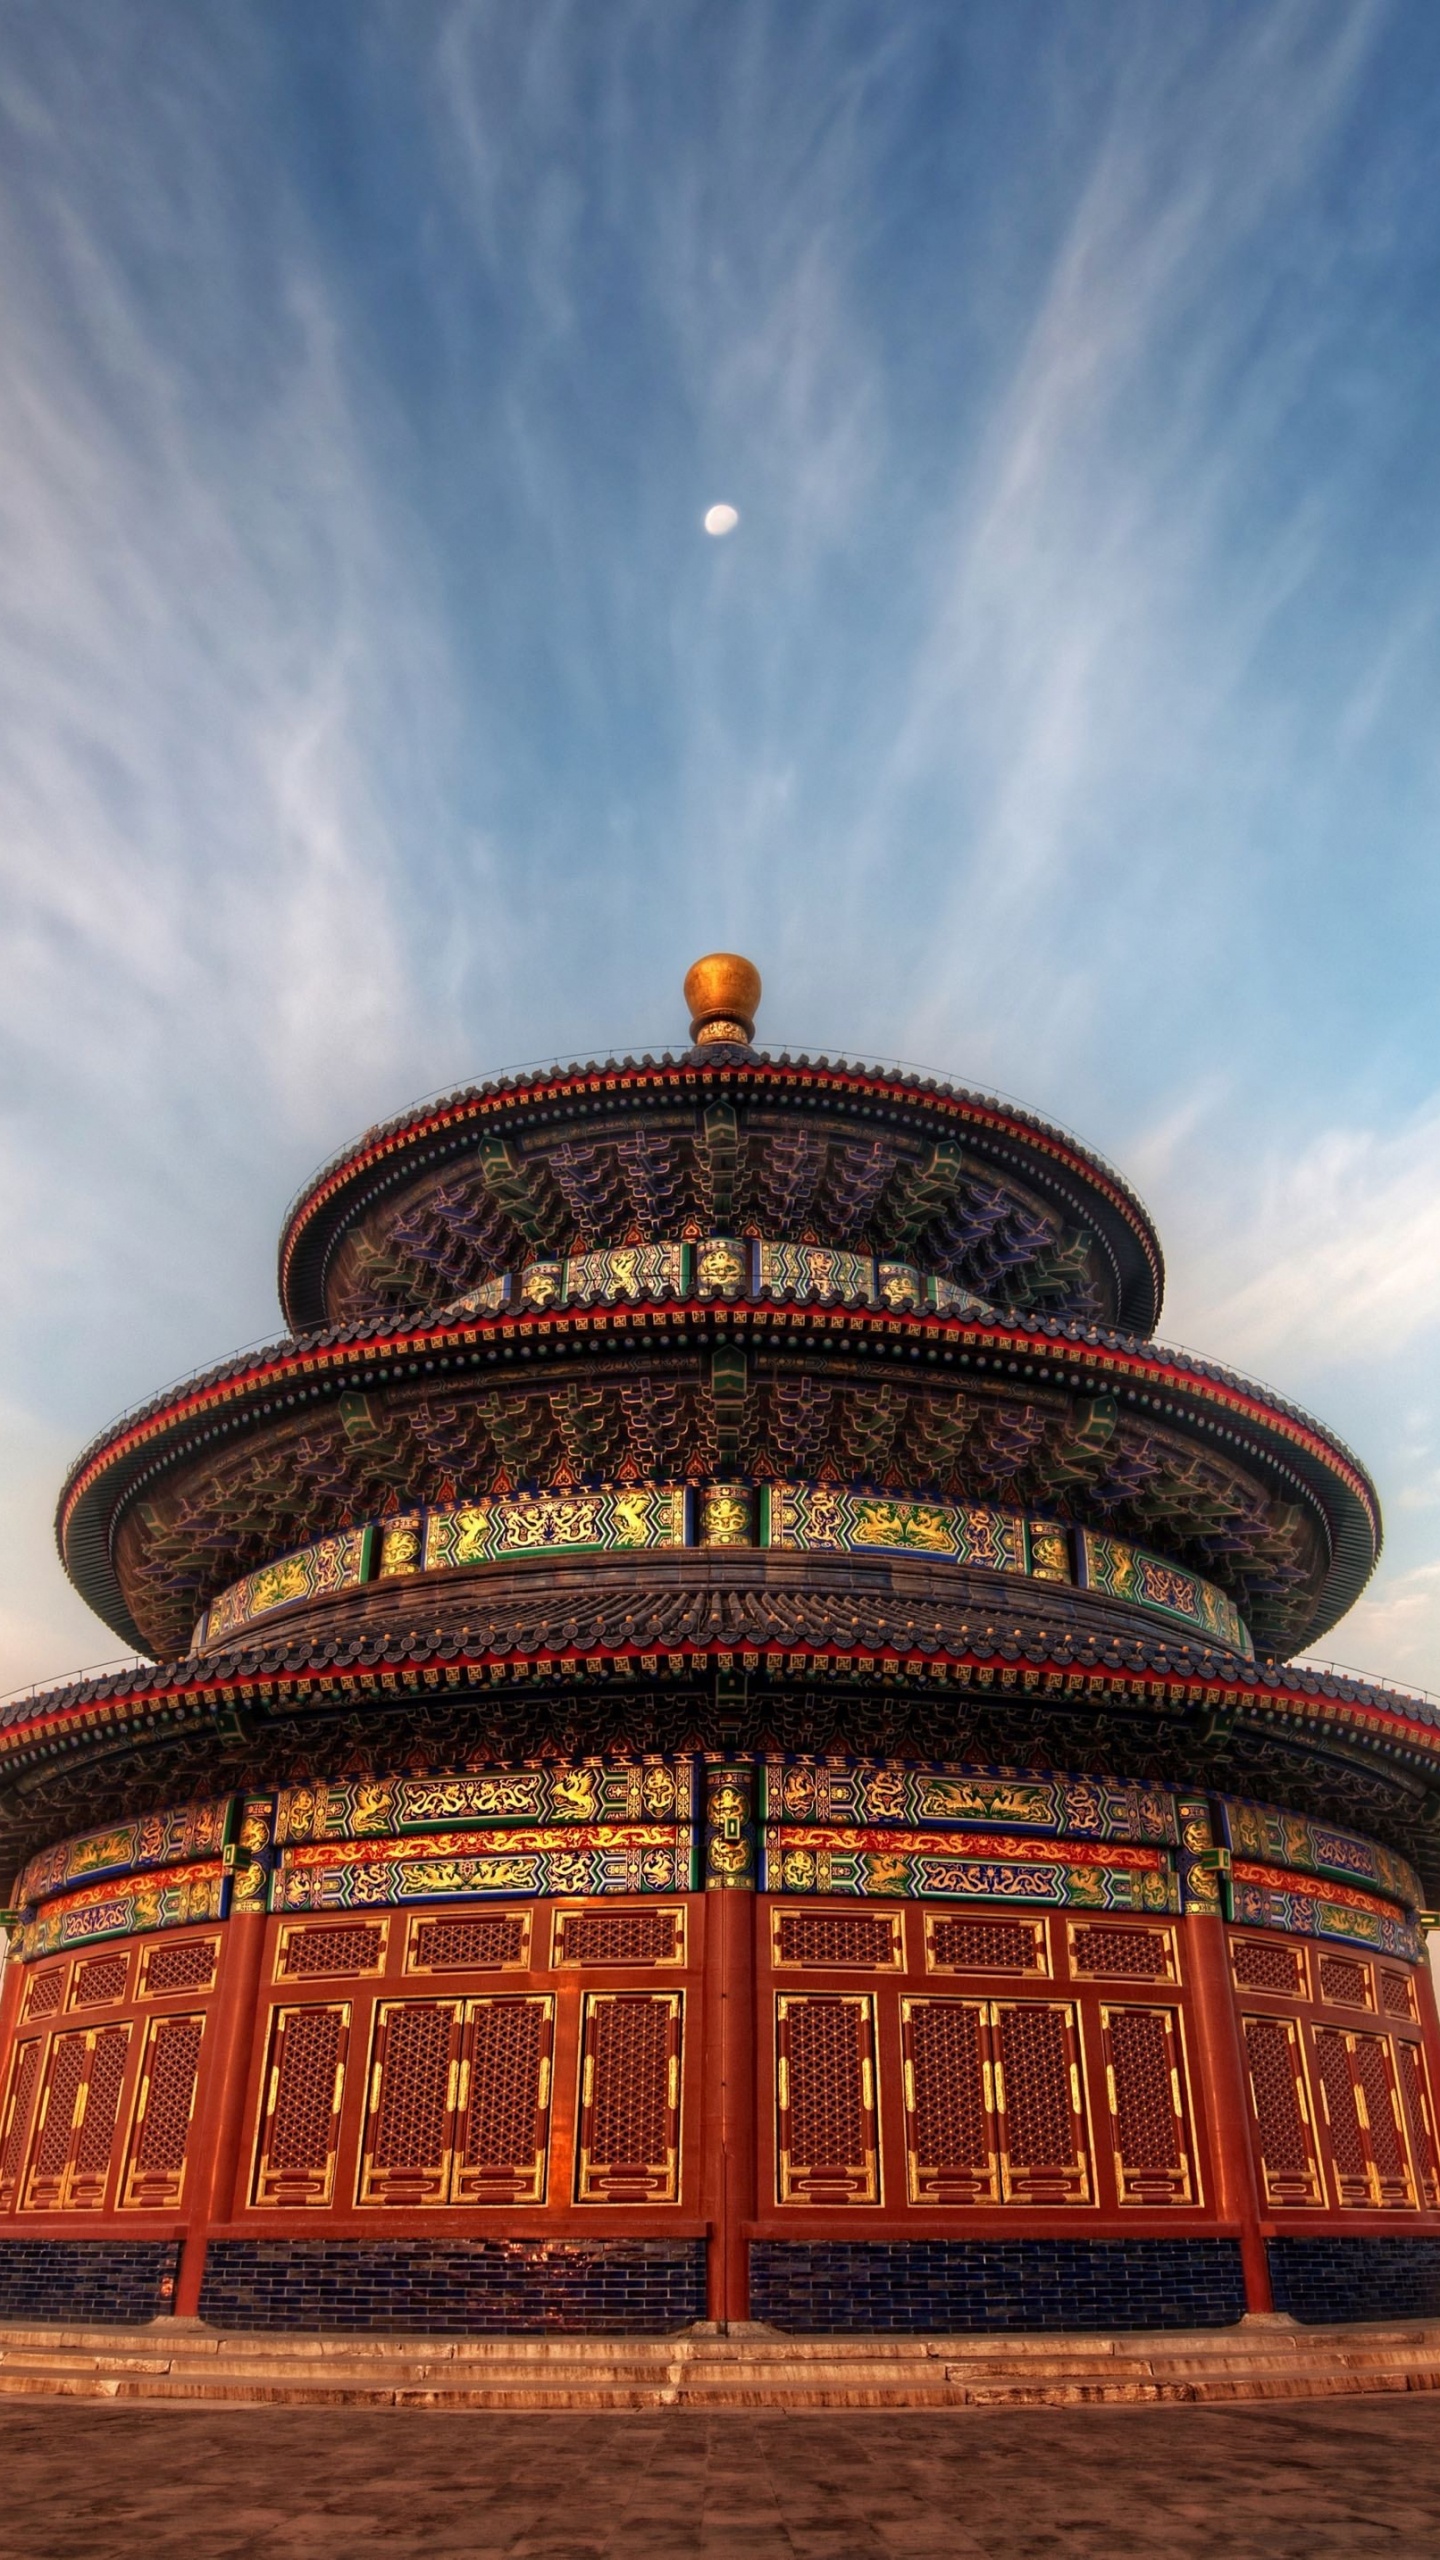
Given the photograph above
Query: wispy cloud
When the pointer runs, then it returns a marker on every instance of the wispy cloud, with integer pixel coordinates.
(1330, 1254)
(1393, 1632)
(1312, 1264)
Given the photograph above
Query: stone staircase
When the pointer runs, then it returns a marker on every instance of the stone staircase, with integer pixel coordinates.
(1262, 2359)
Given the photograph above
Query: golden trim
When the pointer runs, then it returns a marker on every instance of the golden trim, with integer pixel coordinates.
(314, 1922)
(1142, 1984)
(894, 1920)
(436, 1916)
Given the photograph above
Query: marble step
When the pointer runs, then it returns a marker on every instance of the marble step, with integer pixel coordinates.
(181, 2362)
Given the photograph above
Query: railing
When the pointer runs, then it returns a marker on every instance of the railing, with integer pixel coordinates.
(1370, 1679)
(67, 1679)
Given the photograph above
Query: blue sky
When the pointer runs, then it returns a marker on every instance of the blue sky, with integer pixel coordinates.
(374, 711)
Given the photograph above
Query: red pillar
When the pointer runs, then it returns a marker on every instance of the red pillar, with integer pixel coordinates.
(1222, 2078)
(729, 2107)
(730, 2111)
(219, 2123)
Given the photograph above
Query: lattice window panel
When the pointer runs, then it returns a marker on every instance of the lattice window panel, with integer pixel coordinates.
(839, 1941)
(1281, 2101)
(1349, 2164)
(953, 1945)
(1118, 1954)
(1344, 1982)
(1420, 2108)
(629, 2138)
(1269, 1964)
(98, 1981)
(619, 1937)
(300, 2125)
(827, 2106)
(1361, 2105)
(187, 1966)
(45, 1992)
(1040, 2093)
(65, 2077)
(410, 2105)
(15, 2122)
(76, 2125)
(1397, 1994)
(493, 1942)
(164, 2107)
(349, 1947)
(505, 2100)
(457, 2104)
(1149, 2114)
(1384, 2121)
(952, 2142)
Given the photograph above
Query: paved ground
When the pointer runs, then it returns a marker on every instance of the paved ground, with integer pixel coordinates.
(1307, 2481)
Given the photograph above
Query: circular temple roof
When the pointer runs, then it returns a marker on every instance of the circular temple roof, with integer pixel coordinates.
(781, 1288)
(425, 1205)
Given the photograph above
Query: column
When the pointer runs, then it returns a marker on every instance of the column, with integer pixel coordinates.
(1222, 2077)
(728, 2130)
(216, 2134)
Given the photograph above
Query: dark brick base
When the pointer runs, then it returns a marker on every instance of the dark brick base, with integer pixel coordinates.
(949, 2285)
(107, 2282)
(1384, 2279)
(613, 2288)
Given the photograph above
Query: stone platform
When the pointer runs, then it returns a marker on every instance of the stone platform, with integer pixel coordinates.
(1262, 2359)
(1292, 2480)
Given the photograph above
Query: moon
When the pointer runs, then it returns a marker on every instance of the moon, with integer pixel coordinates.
(721, 519)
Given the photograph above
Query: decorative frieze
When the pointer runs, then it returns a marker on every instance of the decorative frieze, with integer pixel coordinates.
(801, 1518)
(601, 1858)
(1124, 1572)
(129, 1907)
(851, 1828)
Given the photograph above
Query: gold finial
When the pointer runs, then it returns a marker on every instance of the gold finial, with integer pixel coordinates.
(723, 993)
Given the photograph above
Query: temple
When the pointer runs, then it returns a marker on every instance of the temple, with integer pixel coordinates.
(719, 1742)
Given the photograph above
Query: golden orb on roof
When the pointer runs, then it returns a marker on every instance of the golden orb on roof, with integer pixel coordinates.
(723, 993)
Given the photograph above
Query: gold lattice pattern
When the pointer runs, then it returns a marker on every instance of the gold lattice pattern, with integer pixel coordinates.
(97, 1979)
(190, 1966)
(1263, 1964)
(986, 1946)
(1285, 2147)
(306, 2070)
(487, 1944)
(1345, 1982)
(1133, 1955)
(1039, 2109)
(1387, 2144)
(1347, 2141)
(506, 2086)
(157, 2154)
(22, 2091)
(68, 2056)
(347, 1948)
(866, 1942)
(1422, 2125)
(410, 2124)
(1147, 2136)
(616, 1937)
(828, 2119)
(950, 2120)
(630, 2048)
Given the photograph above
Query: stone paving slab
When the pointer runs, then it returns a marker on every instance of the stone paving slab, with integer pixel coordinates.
(80, 2481)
